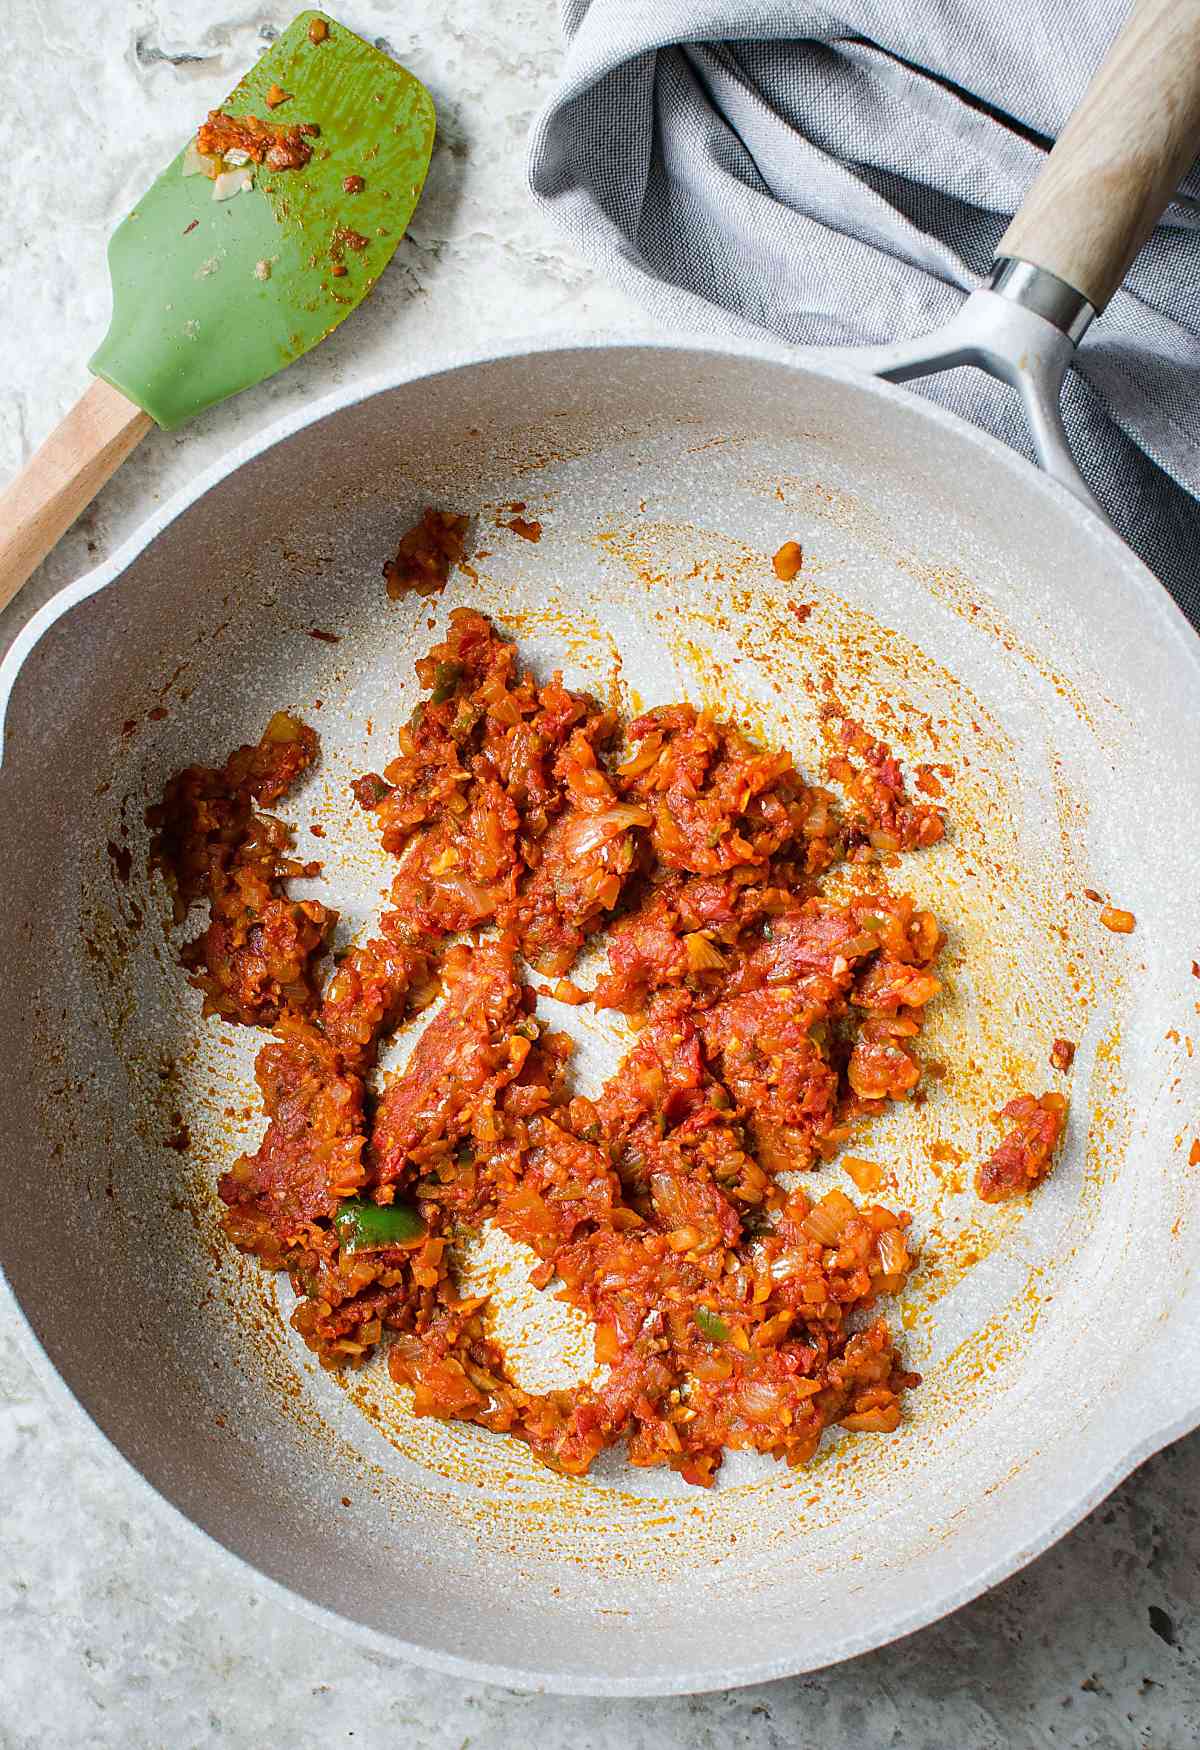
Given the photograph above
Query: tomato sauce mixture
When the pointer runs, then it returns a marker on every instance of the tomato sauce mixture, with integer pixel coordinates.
(734, 1305)
(279, 148)
(1025, 1155)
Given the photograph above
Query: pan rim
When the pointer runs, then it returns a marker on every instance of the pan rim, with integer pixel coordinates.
(532, 1680)
(1115, 1459)
(1157, 599)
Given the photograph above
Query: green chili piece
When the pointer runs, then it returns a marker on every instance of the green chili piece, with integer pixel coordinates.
(367, 1227)
(446, 677)
(711, 1326)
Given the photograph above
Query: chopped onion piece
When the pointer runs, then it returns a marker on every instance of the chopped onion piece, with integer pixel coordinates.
(588, 832)
(760, 1400)
(283, 728)
(231, 182)
(643, 759)
(893, 1253)
(787, 1265)
(826, 1221)
(701, 955)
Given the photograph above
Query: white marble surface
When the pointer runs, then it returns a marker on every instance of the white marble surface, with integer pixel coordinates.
(115, 1628)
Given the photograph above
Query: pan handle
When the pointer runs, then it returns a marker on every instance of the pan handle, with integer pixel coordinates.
(1097, 198)
(1103, 188)
(1120, 158)
(1001, 330)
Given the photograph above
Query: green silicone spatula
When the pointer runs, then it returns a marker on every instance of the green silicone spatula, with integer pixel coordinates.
(266, 231)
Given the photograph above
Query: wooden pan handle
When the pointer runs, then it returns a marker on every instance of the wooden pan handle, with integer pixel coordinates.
(1121, 156)
(62, 478)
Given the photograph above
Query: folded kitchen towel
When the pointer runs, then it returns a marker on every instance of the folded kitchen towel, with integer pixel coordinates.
(843, 174)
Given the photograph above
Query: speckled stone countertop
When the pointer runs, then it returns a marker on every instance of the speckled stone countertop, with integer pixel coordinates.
(116, 1629)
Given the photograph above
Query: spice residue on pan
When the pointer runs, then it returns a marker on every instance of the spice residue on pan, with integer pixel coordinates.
(512, 516)
(528, 530)
(121, 858)
(946, 581)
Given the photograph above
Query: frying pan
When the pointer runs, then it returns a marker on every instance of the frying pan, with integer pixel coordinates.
(975, 612)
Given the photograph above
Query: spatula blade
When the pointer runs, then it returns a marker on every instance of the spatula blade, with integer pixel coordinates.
(211, 296)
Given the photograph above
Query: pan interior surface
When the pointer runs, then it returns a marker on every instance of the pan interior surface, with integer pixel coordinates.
(948, 598)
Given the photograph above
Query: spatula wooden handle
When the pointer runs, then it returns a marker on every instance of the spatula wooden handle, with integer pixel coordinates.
(1121, 156)
(61, 479)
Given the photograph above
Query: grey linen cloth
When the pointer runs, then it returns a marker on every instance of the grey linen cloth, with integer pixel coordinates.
(841, 175)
